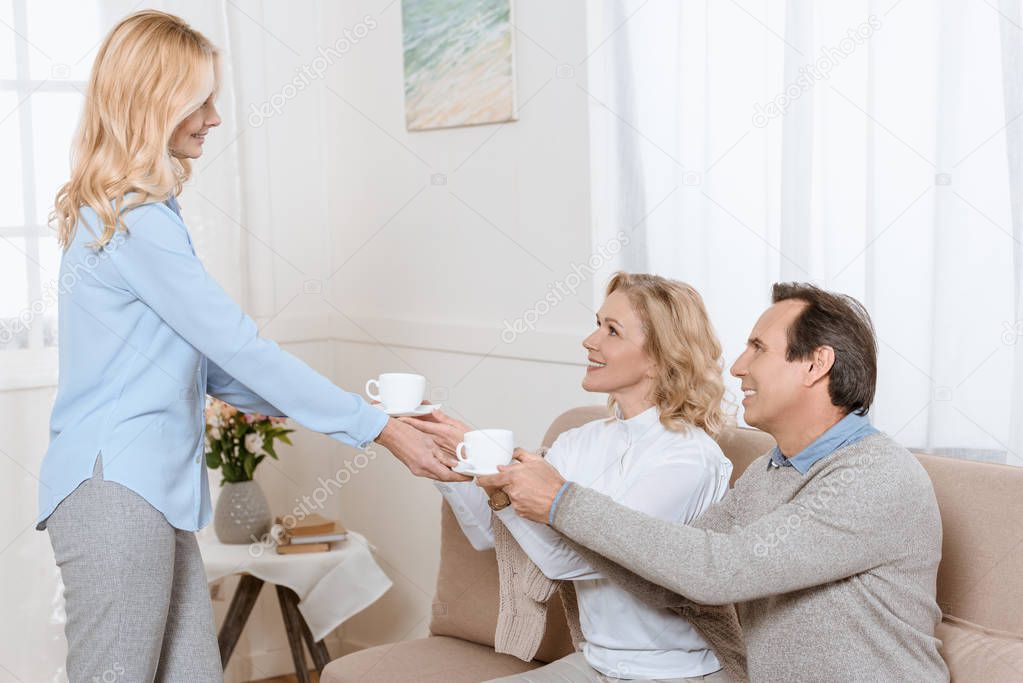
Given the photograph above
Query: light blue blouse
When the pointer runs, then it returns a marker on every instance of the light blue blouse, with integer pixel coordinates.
(145, 334)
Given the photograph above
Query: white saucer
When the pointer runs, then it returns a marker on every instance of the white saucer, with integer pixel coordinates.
(464, 468)
(418, 411)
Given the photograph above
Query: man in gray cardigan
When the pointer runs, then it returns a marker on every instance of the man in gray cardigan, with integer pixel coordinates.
(829, 544)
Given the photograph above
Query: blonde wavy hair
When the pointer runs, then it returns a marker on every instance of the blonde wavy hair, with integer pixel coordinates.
(152, 71)
(690, 388)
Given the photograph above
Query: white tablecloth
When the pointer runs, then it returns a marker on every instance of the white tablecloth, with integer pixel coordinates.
(331, 586)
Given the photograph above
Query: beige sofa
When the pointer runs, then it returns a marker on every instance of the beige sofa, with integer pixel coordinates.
(980, 584)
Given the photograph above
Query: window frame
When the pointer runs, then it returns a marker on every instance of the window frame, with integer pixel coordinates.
(36, 365)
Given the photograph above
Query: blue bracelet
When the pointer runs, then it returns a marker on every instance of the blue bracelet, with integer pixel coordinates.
(554, 505)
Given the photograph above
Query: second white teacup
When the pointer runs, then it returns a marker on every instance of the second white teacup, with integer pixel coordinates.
(398, 391)
(484, 449)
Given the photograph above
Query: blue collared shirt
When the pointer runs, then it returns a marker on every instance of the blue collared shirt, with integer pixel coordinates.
(145, 334)
(845, 432)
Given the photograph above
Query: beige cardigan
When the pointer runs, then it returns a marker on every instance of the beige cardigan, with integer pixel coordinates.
(525, 592)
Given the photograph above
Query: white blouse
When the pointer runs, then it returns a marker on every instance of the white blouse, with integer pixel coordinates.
(669, 475)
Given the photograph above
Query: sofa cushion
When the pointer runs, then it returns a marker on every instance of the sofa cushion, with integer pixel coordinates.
(436, 659)
(742, 446)
(981, 560)
(975, 654)
(572, 418)
(466, 602)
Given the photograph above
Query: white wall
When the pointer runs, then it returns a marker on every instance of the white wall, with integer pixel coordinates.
(438, 258)
(415, 279)
(28, 576)
(436, 278)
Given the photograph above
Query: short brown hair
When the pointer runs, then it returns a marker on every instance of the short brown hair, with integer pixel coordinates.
(841, 322)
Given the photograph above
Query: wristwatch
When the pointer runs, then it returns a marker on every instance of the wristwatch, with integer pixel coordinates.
(499, 500)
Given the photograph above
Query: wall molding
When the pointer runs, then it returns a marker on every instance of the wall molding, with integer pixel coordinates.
(543, 346)
(25, 370)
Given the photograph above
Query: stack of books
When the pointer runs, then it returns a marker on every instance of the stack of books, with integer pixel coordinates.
(311, 534)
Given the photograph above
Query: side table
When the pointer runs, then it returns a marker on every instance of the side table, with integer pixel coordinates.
(316, 592)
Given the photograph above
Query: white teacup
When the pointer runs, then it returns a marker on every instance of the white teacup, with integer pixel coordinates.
(484, 449)
(398, 391)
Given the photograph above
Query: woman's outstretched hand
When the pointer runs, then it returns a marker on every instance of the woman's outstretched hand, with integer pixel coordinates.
(445, 431)
(532, 484)
(417, 450)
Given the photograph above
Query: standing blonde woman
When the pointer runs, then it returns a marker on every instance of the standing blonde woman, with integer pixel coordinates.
(145, 334)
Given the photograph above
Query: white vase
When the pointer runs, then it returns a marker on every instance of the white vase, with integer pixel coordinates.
(242, 514)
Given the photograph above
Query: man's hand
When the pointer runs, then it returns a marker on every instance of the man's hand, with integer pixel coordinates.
(531, 484)
(418, 451)
(447, 432)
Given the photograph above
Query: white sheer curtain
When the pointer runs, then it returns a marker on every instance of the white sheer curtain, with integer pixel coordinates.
(871, 147)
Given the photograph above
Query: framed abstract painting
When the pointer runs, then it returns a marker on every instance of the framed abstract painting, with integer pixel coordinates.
(459, 63)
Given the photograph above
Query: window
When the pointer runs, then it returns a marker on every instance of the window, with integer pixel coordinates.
(46, 51)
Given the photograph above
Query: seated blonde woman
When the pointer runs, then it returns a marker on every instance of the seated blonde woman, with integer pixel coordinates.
(655, 354)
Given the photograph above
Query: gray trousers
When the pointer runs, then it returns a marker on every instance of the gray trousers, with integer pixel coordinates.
(138, 606)
(575, 669)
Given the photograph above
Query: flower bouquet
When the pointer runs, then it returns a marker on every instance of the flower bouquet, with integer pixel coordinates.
(237, 442)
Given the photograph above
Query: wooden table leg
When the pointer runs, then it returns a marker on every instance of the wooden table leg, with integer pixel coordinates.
(317, 648)
(237, 614)
(293, 627)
